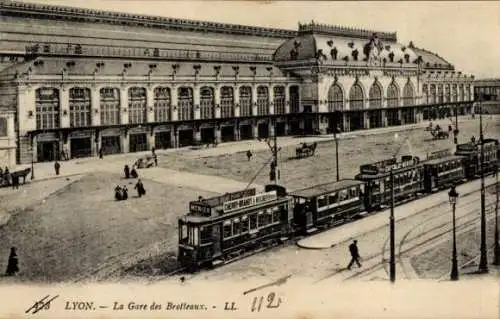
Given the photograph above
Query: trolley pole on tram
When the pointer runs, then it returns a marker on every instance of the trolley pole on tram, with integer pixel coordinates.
(392, 261)
(483, 261)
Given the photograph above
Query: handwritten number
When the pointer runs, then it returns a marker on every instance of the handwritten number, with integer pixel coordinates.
(271, 297)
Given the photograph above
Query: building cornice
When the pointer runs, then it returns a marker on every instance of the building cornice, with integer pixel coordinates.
(51, 12)
(339, 31)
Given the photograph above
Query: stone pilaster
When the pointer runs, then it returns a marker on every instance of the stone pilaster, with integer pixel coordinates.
(174, 110)
(95, 105)
(217, 113)
(124, 108)
(196, 102)
(150, 115)
(64, 106)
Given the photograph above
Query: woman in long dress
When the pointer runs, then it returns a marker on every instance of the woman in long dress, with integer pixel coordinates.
(12, 266)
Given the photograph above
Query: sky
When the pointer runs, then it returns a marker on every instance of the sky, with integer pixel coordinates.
(467, 34)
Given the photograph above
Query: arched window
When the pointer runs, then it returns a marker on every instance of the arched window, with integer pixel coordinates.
(47, 108)
(245, 101)
(447, 93)
(279, 100)
(425, 91)
(440, 93)
(461, 92)
(110, 106)
(185, 97)
(432, 93)
(454, 93)
(408, 94)
(207, 103)
(468, 96)
(392, 95)
(335, 98)
(162, 104)
(137, 105)
(356, 97)
(226, 102)
(375, 96)
(79, 107)
(262, 100)
(294, 99)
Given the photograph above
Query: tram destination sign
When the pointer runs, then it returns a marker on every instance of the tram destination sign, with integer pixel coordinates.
(249, 201)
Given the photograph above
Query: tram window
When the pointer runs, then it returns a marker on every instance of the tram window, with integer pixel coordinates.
(205, 234)
(236, 226)
(268, 217)
(322, 201)
(343, 195)
(195, 236)
(244, 224)
(261, 219)
(353, 192)
(253, 221)
(227, 229)
(276, 215)
(333, 198)
(184, 232)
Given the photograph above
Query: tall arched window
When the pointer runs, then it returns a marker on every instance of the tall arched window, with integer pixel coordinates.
(110, 106)
(447, 93)
(392, 95)
(440, 93)
(356, 97)
(335, 98)
(207, 103)
(461, 92)
(425, 92)
(226, 102)
(47, 108)
(432, 93)
(79, 107)
(408, 94)
(245, 101)
(137, 105)
(262, 100)
(185, 97)
(279, 100)
(454, 93)
(375, 96)
(162, 104)
(294, 99)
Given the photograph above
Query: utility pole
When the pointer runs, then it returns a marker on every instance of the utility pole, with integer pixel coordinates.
(336, 131)
(456, 131)
(483, 261)
(275, 151)
(496, 258)
(392, 261)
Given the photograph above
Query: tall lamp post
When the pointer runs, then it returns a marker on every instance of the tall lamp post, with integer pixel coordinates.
(483, 261)
(456, 131)
(32, 155)
(392, 234)
(453, 196)
(496, 258)
(337, 131)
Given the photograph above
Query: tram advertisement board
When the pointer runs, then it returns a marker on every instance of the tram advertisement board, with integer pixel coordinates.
(249, 201)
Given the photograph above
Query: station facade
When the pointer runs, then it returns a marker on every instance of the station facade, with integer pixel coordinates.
(79, 81)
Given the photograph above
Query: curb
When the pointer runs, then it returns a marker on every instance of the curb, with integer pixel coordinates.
(36, 180)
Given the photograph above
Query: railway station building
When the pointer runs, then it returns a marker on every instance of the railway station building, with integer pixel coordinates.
(76, 81)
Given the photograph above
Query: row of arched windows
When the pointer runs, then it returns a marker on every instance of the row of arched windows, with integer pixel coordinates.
(48, 105)
(336, 100)
(440, 93)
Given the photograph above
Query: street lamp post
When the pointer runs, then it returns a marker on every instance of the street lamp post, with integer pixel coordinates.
(337, 131)
(496, 257)
(483, 261)
(32, 164)
(456, 131)
(392, 235)
(453, 196)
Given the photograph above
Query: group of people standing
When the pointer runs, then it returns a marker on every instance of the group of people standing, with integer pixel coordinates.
(121, 192)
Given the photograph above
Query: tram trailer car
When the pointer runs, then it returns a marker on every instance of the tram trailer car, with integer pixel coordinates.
(325, 205)
(472, 152)
(217, 230)
(408, 181)
(444, 172)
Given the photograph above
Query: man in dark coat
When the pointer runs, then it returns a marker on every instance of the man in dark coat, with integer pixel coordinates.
(126, 170)
(100, 153)
(12, 265)
(124, 192)
(353, 249)
(249, 155)
(140, 188)
(57, 166)
(118, 193)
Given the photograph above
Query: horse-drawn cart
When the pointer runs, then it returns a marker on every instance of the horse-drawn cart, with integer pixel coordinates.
(9, 178)
(145, 162)
(305, 150)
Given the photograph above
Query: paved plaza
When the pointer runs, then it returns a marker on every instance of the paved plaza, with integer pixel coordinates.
(69, 228)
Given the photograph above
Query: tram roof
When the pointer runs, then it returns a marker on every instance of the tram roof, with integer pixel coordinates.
(321, 189)
(443, 160)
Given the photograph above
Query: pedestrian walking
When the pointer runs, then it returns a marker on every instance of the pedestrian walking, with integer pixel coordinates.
(15, 181)
(100, 153)
(153, 151)
(12, 265)
(57, 167)
(118, 193)
(140, 188)
(124, 192)
(353, 249)
(133, 173)
(126, 170)
(156, 160)
(249, 155)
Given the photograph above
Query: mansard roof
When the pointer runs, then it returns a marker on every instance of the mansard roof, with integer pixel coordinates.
(116, 67)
